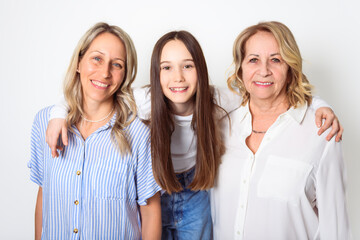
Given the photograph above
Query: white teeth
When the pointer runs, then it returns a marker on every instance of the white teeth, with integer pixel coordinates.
(99, 84)
(263, 83)
(178, 88)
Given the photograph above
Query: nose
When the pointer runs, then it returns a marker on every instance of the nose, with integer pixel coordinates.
(178, 75)
(106, 70)
(264, 70)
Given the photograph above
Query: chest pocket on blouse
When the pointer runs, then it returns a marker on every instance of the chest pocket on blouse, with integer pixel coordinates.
(110, 180)
(283, 179)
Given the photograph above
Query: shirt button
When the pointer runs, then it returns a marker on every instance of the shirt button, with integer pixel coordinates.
(78, 172)
(238, 232)
(76, 202)
(242, 206)
(244, 181)
(76, 230)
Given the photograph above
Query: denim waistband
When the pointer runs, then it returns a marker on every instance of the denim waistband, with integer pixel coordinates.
(185, 178)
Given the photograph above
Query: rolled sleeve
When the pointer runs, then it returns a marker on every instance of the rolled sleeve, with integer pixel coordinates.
(36, 156)
(146, 184)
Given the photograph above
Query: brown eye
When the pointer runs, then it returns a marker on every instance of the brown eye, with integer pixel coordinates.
(253, 60)
(188, 66)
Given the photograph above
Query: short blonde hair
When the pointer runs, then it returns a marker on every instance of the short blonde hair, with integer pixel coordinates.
(298, 89)
(123, 99)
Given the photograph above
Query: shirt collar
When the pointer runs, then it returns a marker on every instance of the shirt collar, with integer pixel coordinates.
(242, 112)
(112, 121)
(108, 125)
(297, 113)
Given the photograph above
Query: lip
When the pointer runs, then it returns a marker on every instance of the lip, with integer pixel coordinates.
(99, 85)
(263, 84)
(178, 89)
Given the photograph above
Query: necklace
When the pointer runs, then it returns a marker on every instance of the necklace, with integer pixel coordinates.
(100, 120)
(260, 132)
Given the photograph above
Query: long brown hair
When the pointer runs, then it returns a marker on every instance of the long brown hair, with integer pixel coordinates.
(123, 99)
(209, 143)
(298, 89)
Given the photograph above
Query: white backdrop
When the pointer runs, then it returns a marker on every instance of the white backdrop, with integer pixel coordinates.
(37, 39)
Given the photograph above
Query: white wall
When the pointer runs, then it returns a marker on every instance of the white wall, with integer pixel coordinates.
(37, 39)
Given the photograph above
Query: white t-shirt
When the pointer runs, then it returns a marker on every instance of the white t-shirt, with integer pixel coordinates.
(183, 140)
(183, 144)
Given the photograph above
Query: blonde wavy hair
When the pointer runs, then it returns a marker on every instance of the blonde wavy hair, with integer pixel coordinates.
(298, 88)
(124, 102)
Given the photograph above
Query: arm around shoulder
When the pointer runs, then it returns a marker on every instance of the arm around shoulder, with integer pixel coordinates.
(57, 127)
(60, 109)
(324, 112)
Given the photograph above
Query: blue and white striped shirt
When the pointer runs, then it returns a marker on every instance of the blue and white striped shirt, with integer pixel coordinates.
(91, 191)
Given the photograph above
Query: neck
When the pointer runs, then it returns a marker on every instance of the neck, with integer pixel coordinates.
(266, 107)
(95, 115)
(182, 109)
(95, 111)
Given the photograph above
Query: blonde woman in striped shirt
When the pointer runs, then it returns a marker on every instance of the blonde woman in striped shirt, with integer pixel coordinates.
(102, 185)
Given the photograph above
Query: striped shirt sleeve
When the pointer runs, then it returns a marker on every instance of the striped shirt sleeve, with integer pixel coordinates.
(146, 184)
(36, 163)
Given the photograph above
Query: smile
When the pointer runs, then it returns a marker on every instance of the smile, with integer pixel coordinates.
(178, 89)
(99, 84)
(263, 83)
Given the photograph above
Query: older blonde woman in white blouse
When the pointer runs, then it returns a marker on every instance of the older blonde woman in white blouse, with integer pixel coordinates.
(278, 178)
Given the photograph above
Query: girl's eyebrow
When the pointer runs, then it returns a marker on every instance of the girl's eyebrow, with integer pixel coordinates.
(185, 60)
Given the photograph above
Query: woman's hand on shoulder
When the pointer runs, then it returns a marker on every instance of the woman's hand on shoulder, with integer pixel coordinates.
(331, 120)
(56, 127)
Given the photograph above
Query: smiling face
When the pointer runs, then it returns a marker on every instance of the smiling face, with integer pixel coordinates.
(178, 77)
(102, 68)
(264, 72)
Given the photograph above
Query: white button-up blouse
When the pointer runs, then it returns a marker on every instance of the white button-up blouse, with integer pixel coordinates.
(292, 188)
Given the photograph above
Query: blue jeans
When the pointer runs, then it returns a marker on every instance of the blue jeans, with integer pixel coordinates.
(186, 214)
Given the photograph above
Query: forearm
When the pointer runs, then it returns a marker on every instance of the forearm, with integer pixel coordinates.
(38, 215)
(151, 218)
(141, 96)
